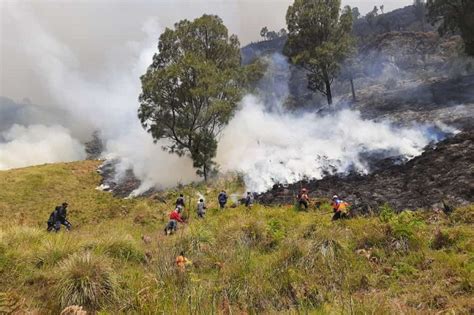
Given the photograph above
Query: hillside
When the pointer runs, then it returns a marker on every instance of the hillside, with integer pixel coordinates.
(262, 260)
(443, 173)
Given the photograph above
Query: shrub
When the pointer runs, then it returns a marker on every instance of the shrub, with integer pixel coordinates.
(85, 280)
(123, 248)
(54, 249)
(463, 215)
(441, 240)
(386, 213)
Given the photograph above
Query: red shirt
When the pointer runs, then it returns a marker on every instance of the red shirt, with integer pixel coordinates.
(176, 216)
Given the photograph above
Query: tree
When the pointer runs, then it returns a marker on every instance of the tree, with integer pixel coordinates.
(355, 13)
(351, 69)
(191, 89)
(370, 17)
(319, 38)
(264, 31)
(420, 12)
(453, 16)
(282, 32)
(384, 22)
(271, 35)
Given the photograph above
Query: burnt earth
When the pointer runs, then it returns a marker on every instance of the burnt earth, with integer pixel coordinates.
(444, 172)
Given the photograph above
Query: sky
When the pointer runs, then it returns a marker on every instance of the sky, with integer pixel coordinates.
(96, 29)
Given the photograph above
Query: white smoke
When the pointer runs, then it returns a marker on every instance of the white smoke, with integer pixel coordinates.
(269, 147)
(263, 141)
(35, 144)
(107, 103)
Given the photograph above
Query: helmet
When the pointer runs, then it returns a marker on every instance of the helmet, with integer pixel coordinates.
(335, 197)
(304, 190)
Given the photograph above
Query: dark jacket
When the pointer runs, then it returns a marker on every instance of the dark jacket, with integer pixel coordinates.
(61, 212)
(222, 197)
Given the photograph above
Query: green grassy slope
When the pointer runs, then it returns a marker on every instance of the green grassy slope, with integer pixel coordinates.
(259, 260)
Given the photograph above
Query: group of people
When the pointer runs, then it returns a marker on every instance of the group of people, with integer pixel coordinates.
(175, 216)
(340, 207)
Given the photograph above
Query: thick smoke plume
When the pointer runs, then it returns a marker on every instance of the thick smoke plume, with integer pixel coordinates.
(263, 141)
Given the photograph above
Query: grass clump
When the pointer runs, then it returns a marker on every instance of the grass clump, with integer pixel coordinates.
(122, 247)
(86, 280)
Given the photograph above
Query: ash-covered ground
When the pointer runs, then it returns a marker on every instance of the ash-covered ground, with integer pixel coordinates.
(443, 173)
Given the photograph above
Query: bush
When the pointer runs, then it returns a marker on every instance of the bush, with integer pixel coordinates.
(441, 240)
(123, 248)
(54, 249)
(85, 280)
(386, 213)
(463, 215)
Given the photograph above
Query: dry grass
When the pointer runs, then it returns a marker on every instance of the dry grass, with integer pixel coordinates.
(262, 260)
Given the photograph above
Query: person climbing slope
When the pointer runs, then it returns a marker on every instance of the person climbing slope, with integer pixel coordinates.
(201, 208)
(175, 217)
(182, 262)
(180, 201)
(222, 198)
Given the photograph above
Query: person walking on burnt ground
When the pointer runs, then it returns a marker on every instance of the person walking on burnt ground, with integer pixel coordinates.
(249, 200)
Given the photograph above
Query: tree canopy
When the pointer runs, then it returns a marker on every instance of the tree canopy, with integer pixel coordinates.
(191, 89)
(453, 16)
(319, 38)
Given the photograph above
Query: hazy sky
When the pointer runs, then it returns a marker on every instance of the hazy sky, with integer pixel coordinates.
(93, 30)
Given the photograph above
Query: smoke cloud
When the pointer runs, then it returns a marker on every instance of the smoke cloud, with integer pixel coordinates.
(35, 144)
(263, 141)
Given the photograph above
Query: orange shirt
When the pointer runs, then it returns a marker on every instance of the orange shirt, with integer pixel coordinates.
(181, 262)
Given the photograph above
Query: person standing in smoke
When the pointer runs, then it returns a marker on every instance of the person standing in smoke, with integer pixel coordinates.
(248, 200)
(222, 198)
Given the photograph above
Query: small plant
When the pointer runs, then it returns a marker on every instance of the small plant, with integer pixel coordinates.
(85, 280)
(386, 213)
(441, 240)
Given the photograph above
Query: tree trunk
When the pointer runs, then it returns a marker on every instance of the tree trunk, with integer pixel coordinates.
(353, 90)
(328, 92)
(204, 172)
